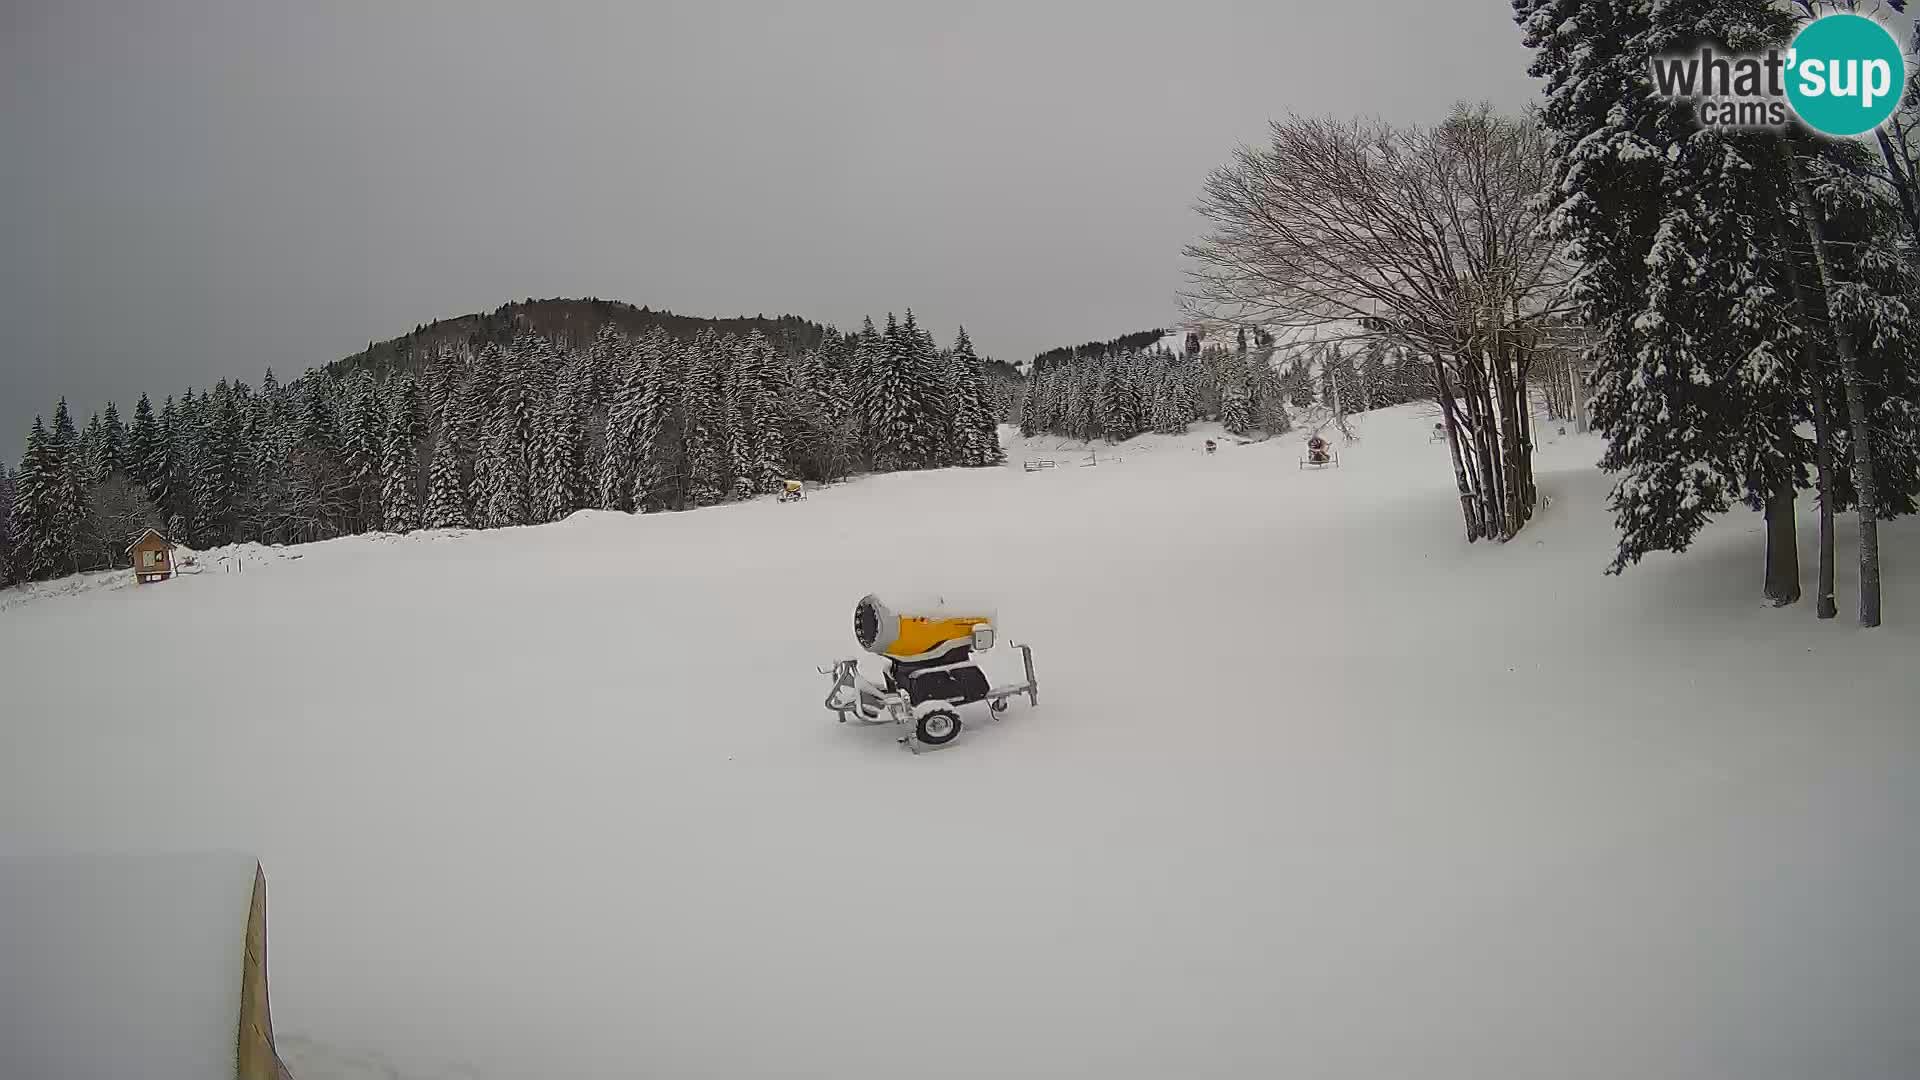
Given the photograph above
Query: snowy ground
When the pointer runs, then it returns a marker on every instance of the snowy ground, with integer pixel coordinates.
(1314, 788)
(122, 966)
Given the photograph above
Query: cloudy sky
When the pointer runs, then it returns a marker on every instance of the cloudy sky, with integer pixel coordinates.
(193, 189)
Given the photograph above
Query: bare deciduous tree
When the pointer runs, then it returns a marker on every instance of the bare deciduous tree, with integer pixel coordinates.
(1430, 239)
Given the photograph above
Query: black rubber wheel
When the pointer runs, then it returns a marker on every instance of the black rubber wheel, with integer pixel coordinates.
(998, 705)
(937, 727)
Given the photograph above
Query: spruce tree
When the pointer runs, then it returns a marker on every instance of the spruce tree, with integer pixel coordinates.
(702, 426)
(141, 438)
(65, 436)
(826, 436)
(1032, 418)
(1115, 423)
(1694, 335)
(1076, 400)
(760, 376)
(399, 505)
(976, 423)
(1175, 396)
(93, 452)
(658, 446)
(114, 446)
(1864, 403)
(1376, 390)
(501, 483)
(559, 478)
(1269, 397)
(440, 390)
(1236, 401)
(7, 494)
(216, 465)
(735, 422)
(503, 468)
(887, 397)
(620, 453)
(268, 463)
(926, 404)
(42, 538)
(160, 466)
(1299, 383)
(400, 460)
(446, 491)
(472, 413)
(363, 431)
(73, 482)
(320, 496)
(607, 363)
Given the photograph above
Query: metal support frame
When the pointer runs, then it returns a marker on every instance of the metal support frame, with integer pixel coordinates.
(853, 695)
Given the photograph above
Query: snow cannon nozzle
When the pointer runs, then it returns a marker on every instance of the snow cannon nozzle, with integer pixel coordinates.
(921, 628)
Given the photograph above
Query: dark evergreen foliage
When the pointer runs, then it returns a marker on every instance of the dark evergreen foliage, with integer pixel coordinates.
(518, 429)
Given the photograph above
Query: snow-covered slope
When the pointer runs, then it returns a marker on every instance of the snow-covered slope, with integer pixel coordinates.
(1314, 788)
(122, 966)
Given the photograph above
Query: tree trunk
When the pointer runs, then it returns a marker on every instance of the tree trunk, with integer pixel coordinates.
(1522, 442)
(1856, 406)
(1783, 549)
(1902, 184)
(1575, 409)
(1468, 511)
(1531, 490)
(1480, 411)
(1513, 436)
(1823, 605)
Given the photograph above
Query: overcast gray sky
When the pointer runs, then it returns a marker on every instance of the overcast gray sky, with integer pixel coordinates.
(193, 189)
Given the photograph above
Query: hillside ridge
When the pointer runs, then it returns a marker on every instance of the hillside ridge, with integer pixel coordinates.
(572, 322)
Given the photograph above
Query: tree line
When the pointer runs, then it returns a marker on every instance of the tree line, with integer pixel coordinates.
(1117, 393)
(499, 436)
(1136, 341)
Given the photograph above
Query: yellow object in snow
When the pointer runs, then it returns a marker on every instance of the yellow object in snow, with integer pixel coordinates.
(922, 629)
(793, 487)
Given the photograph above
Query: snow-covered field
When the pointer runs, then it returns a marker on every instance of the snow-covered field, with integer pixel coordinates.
(1314, 788)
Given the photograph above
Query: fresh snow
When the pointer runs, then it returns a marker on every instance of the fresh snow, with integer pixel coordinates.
(122, 965)
(1314, 788)
(226, 559)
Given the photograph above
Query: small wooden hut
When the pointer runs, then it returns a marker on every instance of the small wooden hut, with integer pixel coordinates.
(152, 556)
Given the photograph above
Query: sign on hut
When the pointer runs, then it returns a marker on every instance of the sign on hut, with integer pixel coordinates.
(152, 556)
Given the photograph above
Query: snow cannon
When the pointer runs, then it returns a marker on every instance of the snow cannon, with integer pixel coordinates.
(921, 629)
(928, 645)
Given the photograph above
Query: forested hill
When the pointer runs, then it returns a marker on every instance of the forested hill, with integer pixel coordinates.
(1124, 343)
(571, 323)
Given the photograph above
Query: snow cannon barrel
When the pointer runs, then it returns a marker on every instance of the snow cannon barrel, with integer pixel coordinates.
(921, 628)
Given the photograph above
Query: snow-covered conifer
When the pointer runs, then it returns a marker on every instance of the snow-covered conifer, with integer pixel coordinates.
(43, 540)
(446, 491)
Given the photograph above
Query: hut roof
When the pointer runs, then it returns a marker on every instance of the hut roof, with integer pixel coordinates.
(138, 540)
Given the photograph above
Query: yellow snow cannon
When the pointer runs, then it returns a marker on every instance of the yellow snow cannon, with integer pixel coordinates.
(928, 644)
(921, 629)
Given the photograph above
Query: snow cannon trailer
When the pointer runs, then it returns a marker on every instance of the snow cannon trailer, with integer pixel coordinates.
(928, 647)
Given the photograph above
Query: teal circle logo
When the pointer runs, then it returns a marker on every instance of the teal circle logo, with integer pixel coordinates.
(1845, 74)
